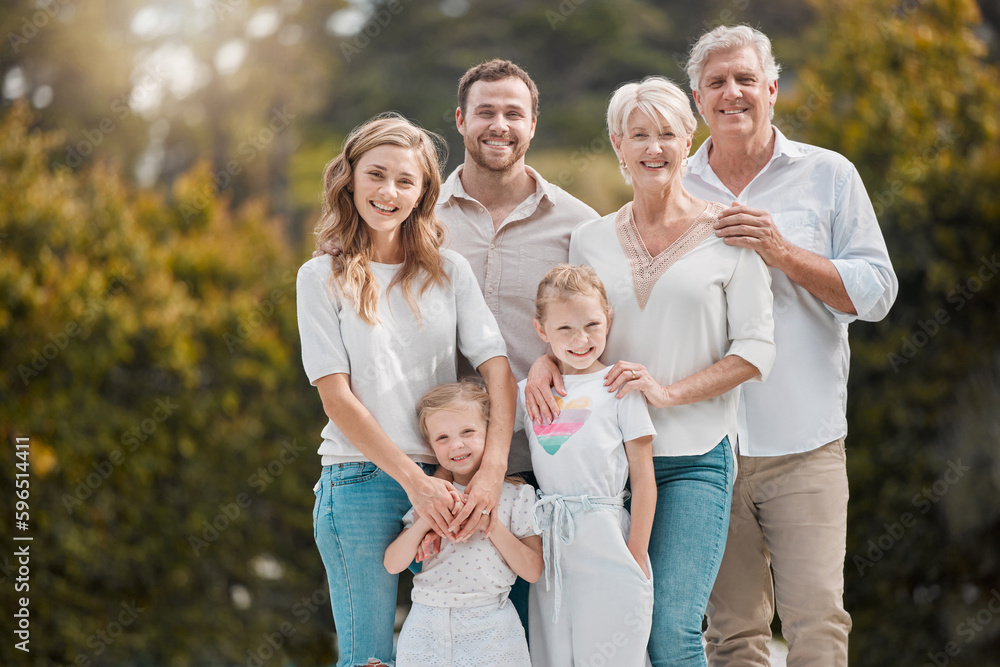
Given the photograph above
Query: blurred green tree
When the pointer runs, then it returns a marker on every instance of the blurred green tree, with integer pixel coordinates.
(150, 354)
(903, 89)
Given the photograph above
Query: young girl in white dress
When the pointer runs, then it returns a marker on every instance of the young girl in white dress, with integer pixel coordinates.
(595, 605)
(461, 616)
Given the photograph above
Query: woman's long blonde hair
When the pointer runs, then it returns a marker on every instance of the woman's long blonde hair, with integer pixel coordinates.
(421, 233)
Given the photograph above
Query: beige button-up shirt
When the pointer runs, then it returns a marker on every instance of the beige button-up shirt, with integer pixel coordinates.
(510, 262)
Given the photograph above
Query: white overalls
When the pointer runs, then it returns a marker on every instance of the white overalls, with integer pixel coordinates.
(594, 606)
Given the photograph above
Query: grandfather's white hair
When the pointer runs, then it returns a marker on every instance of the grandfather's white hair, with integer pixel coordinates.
(727, 38)
(656, 97)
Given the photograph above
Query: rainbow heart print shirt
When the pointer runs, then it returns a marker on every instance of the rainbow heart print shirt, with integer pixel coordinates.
(572, 416)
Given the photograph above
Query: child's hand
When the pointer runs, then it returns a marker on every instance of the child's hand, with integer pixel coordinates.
(430, 546)
(641, 559)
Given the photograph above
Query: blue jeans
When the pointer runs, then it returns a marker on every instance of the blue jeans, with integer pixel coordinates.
(519, 590)
(358, 513)
(694, 494)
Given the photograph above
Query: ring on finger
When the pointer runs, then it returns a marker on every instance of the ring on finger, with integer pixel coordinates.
(634, 376)
(485, 511)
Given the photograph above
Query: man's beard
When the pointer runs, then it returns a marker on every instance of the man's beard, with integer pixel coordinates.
(479, 155)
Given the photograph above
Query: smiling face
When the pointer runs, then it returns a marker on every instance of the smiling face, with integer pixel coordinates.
(653, 151)
(577, 330)
(734, 97)
(388, 182)
(497, 124)
(458, 438)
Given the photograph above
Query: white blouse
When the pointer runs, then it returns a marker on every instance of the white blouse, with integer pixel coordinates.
(680, 312)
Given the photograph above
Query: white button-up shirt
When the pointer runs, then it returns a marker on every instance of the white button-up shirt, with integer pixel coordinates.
(818, 202)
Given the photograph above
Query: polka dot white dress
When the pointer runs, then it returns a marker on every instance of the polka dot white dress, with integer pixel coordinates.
(461, 616)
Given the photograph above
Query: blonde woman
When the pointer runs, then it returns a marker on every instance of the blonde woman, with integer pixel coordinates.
(381, 324)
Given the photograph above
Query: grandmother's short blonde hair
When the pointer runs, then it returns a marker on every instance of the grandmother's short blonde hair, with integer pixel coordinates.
(656, 96)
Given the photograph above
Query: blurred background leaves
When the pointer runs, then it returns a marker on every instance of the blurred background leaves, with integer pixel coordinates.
(159, 179)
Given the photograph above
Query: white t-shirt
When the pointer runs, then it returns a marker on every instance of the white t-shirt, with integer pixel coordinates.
(394, 363)
(680, 312)
(582, 452)
(473, 573)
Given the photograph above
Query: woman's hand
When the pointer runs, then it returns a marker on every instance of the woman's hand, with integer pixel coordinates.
(543, 377)
(482, 496)
(626, 376)
(436, 500)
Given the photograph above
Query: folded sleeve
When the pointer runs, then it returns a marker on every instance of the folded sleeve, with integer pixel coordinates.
(633, 417)
(319, 314)
(521, 522)
(479, 337)
(409, 518)
(749, 312)
(859, 253)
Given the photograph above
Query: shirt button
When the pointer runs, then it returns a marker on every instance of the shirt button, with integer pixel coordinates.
(491, 290)
(493, 246)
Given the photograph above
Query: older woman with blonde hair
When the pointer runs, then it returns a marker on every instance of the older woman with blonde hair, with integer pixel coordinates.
(693, 321)
(381, 324)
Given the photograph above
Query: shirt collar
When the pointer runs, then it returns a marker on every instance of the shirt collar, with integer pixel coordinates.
(452, 187)
(783, 147)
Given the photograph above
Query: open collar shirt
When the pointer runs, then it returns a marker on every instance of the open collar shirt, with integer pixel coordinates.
(818, 202)
(510, 261)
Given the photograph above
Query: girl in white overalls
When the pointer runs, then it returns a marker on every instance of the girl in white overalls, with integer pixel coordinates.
(596, 602)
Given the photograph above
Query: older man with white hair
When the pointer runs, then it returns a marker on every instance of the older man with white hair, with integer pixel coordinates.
(804, 209)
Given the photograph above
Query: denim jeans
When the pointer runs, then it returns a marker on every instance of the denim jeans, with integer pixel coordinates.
(358, 513)
(694, 494)
(519, 590)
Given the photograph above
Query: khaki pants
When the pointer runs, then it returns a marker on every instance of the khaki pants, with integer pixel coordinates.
(789, 513)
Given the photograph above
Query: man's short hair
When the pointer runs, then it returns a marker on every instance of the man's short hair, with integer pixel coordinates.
(726, 38)
(496, 70)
